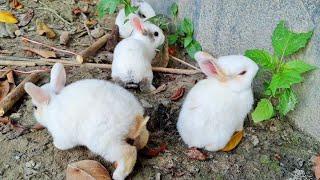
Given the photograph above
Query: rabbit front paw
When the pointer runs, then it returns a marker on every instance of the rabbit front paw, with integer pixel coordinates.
(62, 144)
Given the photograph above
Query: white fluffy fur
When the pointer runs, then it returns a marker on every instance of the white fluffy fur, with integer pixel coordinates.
(94, 113)
(125, 28)
(214, 109)
(133, 56)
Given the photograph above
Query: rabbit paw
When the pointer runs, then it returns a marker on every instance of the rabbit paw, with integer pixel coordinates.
(62, 144)
(146, 86)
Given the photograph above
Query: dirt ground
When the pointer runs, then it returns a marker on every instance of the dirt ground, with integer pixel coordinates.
(269, 150)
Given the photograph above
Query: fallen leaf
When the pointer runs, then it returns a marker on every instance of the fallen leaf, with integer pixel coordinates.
(234, 141)
(91, 22)
(37, 127)
(153, 152)
(4, 89)
(194, 153)
(178, 94)
(7, 17)
(87, 170)
(44, 53)
(15, 4)
(14, 124)
(26, 18)
(316, 167)
(161, 88)
(172, 50)
(42, 29)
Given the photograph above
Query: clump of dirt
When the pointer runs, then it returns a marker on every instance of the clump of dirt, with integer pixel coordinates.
(270, 150)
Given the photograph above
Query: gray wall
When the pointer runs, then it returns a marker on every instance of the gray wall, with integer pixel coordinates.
(226, 27)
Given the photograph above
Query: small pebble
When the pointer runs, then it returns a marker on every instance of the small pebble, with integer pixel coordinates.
(145, 104)
(30, 164)
(18, 33)
(254, 140)
(15, 115)
(97, 33)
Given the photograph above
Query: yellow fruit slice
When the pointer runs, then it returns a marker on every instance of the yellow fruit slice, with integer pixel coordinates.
(7, 17)
(234, 141)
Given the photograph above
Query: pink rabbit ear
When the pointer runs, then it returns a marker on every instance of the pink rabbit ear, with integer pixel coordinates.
(137, 24)
(58, 77)
(38, 95)
(206, 63)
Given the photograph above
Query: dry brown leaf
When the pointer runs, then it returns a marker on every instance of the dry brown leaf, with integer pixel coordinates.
(153, 152)
(37, 127)
(194, 153)
(316, 167)
(42, 29)
(44, 53)
(234, 141)
(10, 77)
(87, 170)
(26, 18)
(178, 94)
(15, 4)
(4, 120)
(4, 89)
(161, 88)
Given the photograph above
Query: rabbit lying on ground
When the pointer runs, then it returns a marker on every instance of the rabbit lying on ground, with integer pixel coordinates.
(94, 113)
(216, 107)
(145, 11)
(132, 56)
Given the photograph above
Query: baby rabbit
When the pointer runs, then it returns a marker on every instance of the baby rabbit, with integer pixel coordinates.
(216, 107)
(132, 56)
(145, 12)
(93, 113)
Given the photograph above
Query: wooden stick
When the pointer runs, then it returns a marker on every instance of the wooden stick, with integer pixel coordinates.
(86, 27)
(93, 65)
(93, 49)
(6, 71)
(8, 102)
(183, 62)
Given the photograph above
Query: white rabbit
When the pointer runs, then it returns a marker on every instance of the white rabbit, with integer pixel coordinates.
(216, 107)
(133, 55)
(145, 11)
(94, 113)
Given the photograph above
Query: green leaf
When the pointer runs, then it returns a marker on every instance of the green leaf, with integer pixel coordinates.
(299, 66)
(263, 111)
(107, 6)
(187, 27)
(187, 41)
(286, 42)
(284, 79)
(128, 9)
(287, 102)
(174, 10)
(160, 20)
(172, 39)
(193, 47)
(262, 58)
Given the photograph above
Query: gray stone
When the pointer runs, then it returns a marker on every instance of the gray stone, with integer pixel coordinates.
(226, 27)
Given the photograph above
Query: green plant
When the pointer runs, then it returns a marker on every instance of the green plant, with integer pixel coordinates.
(110, 6)
(279, 96)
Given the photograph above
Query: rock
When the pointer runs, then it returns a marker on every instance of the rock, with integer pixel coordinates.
(254, 140)
(15, 116)
(30, 164)
(64, 38)
(231, 27)
(18, 33)
(145, 104)
(192, 169)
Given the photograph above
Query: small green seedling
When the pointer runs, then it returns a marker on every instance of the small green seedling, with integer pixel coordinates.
(110, 7)
(279, 96)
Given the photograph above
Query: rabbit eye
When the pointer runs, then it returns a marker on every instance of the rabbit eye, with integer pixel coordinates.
(34, 107)
(243, 73)
(141, 15)
(156, 34)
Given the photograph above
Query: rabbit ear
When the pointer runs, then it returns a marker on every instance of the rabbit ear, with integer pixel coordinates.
(207, 64)
(138, 126)
(58, 77)
(137, 24)
(38, 95)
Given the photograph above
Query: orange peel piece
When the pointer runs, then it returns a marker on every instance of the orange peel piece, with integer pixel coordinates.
(234, 141)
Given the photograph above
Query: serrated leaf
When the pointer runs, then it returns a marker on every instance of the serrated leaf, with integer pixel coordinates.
(187, 41)
(193, 47)
(172, 39)
(263, 111)
(174, 10)
(284, 79)
(287, 101)
(286, 42)
(262, 58)
(7, 17)
(187, 27)
(299, 66)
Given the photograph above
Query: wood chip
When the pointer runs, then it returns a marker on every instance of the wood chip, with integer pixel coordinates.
(160, 89)
(4, 89)
(44, 53)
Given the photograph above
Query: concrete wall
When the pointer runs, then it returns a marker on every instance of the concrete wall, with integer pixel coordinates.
(226, 27)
